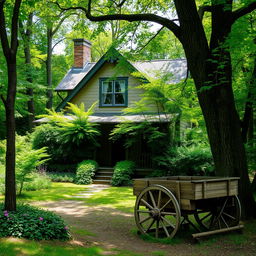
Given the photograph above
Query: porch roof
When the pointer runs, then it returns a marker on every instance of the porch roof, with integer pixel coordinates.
(119, 118)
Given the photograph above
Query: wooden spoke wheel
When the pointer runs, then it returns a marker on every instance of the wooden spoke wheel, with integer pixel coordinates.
(224, 212)
(157, 212)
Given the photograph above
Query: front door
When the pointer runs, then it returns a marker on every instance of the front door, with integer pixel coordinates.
(118, 151)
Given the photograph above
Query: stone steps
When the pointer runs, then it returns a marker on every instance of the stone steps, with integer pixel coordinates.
(103, 175)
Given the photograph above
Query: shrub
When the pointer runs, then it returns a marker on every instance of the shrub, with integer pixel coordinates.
(85, 172)
(123, 172)
(61, 176)
(27, 159)
(69, 139)
(193, 160)
(37, 181)
(32, 223)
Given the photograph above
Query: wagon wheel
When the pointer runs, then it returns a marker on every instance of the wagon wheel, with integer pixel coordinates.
(157, 212)
(224, 213)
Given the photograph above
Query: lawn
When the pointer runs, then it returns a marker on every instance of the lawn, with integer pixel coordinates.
(117, 204)
(120, 198)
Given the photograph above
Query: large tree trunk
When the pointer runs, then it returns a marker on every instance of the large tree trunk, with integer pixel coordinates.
(210, 68)
(10, 187)
(49, 94)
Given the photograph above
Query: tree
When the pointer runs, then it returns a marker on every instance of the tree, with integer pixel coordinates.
(209, 62)
(26, 36)
(10, 52)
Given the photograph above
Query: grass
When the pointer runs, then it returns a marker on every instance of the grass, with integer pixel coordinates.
(58, 191)
(14, 247)
(120, 198)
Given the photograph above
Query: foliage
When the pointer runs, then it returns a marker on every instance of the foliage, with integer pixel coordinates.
(132, 130)
(2, 151)
(62, 168)
(123, 172)
(69, 138)
(251, 155)
(2, 179)
(49, 135)
(37, 181)
(27, 159)
(85, 172)
(76, 127)
(192, 160)
(61, 176)
(32, 223)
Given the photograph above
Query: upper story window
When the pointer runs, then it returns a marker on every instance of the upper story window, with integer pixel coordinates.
(113, 92)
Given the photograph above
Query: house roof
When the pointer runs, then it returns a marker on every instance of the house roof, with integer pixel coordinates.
(77, 78)
(119, 118)
(177, 67)
(73, 77)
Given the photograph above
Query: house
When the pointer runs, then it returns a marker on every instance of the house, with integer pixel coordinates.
(115, 89)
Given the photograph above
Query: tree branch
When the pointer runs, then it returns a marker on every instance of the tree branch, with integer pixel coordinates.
(3, 33)
(58, 43)
(243, 11)
(3, 99)
(171, 25)
(203, 9)
(15, 17)
(152, 38)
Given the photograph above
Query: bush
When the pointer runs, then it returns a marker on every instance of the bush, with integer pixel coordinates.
(69, 140)
(37, 181)
(32, 223)
(192, 161)
(27, 159)
(61, 176)
(85, 172)
(123, 172)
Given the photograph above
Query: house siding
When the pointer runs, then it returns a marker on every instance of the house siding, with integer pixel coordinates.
(90, 92)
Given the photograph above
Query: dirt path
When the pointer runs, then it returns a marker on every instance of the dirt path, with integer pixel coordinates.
(110, 228)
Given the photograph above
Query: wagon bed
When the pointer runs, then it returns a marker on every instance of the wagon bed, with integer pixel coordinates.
(164, 203)
(187, 189)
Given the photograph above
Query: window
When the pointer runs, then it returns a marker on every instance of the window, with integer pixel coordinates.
(113, 92)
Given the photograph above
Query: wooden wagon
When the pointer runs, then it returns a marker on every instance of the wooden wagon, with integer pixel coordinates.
(165, 203)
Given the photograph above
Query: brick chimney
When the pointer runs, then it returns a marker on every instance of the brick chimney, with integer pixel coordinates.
(82, 52)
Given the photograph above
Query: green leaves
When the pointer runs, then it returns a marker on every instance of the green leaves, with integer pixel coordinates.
(85, 172)
(32, 223)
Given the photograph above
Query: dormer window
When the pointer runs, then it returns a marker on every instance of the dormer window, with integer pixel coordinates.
(113, 93)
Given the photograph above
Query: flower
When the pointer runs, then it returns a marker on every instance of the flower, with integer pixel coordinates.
(66, 227)
(6, 214)
(41, 218)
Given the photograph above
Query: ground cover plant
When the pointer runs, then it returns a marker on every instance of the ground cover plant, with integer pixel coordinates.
(61, 176)
(32, 223)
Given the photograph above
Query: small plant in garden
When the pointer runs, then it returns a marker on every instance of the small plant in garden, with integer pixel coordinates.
(27, 160)
(193, 160)
(85, 172)
(37, 181)
(123, 172)
(61, 176)
(32, 223)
